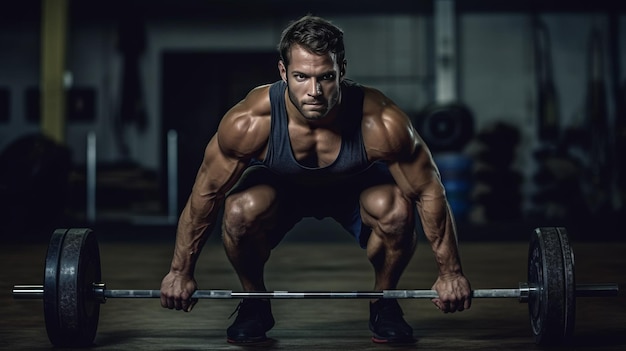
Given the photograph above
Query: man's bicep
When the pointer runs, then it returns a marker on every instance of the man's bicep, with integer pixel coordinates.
(218, 171)
(417, 176)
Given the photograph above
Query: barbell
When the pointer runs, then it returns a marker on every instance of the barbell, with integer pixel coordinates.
(72, 289)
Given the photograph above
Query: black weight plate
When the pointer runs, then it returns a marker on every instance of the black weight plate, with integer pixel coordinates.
(446, 127)
(79, 268)
(569, 284)
(546, 303)
(51, 277)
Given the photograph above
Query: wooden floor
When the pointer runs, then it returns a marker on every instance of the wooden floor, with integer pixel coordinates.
(491, 324)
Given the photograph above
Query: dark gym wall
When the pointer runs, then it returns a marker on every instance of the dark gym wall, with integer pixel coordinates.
(198, 89)
(387, 48)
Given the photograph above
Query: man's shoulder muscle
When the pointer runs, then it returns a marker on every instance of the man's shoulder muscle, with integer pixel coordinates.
(244, 130)
(387, 130)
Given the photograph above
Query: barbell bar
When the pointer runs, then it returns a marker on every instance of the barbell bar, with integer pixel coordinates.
(73, 291)
(101, 293)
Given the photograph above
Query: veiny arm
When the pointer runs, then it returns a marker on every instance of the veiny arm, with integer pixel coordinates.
(216, 175)
(415, 172)
(242, 134)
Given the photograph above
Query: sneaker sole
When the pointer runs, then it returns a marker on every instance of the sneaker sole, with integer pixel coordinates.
(378, 340)
(248, 341)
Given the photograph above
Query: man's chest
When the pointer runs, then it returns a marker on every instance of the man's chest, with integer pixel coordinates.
(317, 147)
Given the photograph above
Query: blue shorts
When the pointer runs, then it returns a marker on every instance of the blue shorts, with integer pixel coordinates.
(339, 201)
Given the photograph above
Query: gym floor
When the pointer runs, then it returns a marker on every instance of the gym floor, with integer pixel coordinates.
(296, 265)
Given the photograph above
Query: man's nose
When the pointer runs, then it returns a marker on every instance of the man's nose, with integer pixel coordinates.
(316, 88)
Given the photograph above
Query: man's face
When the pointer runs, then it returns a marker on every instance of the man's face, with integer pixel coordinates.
(313, 82)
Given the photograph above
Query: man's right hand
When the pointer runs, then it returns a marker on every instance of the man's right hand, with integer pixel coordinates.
(176, 291)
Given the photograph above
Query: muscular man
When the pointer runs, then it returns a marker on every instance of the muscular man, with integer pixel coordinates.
(315, 144)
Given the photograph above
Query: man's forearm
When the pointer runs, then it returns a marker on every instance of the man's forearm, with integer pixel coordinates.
(196, 223)
(440, 230)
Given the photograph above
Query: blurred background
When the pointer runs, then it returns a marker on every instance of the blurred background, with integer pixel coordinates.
(106, 106)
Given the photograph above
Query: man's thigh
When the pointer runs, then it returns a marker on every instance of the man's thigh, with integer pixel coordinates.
(264, 199)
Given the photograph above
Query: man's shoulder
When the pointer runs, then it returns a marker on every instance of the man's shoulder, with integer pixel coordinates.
(255, 104)
(377, 106)
(386, 128)
(245, 127)
(259, 93)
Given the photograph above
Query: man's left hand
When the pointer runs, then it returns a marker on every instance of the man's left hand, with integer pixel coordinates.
(455, 293)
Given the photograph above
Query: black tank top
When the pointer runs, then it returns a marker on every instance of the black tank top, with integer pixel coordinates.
(352, 158)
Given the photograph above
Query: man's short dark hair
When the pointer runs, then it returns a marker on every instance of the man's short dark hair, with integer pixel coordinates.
(316, 35)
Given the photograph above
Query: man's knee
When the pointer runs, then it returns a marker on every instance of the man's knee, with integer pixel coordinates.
(388, 212)
(248, 212)
(386, 203)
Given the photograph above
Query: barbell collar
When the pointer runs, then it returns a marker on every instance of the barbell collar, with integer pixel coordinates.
(524, 292)
(99, 292)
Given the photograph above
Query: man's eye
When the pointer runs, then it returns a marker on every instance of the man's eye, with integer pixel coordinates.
(300, 76)
(330, 76)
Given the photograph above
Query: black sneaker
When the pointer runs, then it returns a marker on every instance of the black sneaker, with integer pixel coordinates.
(387, 324)
(254, 318)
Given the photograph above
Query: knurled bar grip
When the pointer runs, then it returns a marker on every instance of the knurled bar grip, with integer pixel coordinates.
(227, 294)
(582, 290)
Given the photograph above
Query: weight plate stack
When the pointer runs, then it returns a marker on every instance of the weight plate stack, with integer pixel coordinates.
(72, 312)
(551, 303)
